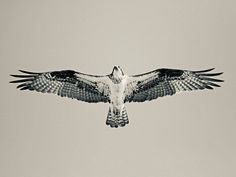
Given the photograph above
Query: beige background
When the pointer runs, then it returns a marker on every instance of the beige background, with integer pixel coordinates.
(187, 135)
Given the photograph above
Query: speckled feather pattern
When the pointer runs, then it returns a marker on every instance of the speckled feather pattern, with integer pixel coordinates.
(65, 84)
(163, 82)
(117, 88)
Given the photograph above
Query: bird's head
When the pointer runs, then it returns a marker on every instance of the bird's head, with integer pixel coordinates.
(117, 72)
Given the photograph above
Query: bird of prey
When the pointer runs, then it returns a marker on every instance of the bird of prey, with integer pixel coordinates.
(117, 88)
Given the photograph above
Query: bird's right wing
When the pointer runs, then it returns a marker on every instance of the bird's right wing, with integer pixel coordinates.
(66, 83)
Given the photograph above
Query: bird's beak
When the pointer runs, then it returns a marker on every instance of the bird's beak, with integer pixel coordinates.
(116, 68)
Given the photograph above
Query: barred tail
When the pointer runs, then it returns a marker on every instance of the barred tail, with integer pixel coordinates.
(119, 119)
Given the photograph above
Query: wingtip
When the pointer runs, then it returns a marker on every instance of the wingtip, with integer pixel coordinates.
(23, 71)
(220, 73)
(27, 72)
(13, 82)
(211, 69)
(209, 87)
(203, 71)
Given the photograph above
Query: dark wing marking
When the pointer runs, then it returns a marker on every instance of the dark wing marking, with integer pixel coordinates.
(162, 82)
(66, 83)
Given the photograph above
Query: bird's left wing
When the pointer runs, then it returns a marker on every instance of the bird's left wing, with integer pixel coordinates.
(66, 83)
(162, 82)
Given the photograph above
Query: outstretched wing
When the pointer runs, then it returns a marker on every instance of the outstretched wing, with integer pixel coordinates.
(66, 83)
(162, 82)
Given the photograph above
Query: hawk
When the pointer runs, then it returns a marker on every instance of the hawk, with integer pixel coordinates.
(117, 88)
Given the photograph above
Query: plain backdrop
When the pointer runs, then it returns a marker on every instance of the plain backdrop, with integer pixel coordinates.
(191, 134)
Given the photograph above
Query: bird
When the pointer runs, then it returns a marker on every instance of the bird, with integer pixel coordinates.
(117, 88)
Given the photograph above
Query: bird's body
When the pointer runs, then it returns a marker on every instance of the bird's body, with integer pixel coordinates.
(117, 88)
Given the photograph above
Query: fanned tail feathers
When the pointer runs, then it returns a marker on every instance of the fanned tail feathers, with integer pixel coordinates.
(117, 120)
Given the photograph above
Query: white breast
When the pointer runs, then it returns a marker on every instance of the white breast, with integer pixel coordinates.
(117, 92)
